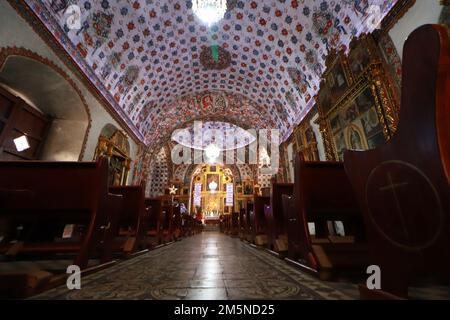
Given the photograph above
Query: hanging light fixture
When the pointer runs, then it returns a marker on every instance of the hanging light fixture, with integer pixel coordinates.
(209, 11)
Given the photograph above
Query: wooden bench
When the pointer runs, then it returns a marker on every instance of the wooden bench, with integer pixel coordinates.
(258, 229)
(155, 224)
(403, 187)
(133, 220)
(234, 229)
(242, 224)
(41, 200)
(323, 200)
(175, 225)
(166, 226)
(275, 217)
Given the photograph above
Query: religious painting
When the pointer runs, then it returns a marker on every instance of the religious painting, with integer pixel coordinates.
(336, 82)
(211, 181)
(350, 101)
(248, 188)
(365, 100)
(359, 60)
(356, 125)
(335, 123)
(341, 145)
(325, 102)
(355, 138)
(299, 139)
(213, 168)
(376, 140)
(349, 114)
(239, 189)
(371, 123)
(310, 136)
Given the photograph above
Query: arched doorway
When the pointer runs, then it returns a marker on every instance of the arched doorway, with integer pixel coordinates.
(46, 90)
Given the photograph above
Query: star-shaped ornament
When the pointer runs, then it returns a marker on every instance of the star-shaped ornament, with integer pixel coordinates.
(173, 190)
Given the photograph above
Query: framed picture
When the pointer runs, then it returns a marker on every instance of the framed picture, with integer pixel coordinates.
(299, 139)
(337, 81)
(341, 145)
(335, 123)
(356, 125)
(248, 188)
(365, 100)
(210, 178)
(324, 100)
(310, 135)
(358, 112)
(355, 139)
(349, 114)
(359, 60)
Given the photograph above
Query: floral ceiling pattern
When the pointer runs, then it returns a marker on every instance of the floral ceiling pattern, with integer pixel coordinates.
(143, 55)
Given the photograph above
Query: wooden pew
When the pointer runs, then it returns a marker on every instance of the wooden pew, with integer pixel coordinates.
(154, 231)
(403, 187)
(42, 198)
(275, 217)
(166, 228)
(175, 225)
(190, 226)
(258, 230)
(234, 224)
(242, 224)
(133, 220)
(322, 196)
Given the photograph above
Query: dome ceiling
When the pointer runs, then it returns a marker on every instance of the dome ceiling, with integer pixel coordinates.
(143, 55)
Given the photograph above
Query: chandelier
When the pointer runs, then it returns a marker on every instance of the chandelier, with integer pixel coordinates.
(209, 11)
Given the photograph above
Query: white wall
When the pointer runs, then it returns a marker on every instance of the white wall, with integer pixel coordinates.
(15, 31)
(422, 12)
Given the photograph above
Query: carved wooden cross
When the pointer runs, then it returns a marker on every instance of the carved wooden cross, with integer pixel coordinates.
(393, 187)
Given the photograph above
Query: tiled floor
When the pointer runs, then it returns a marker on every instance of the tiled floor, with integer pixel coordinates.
(212, 266)
(208, 266)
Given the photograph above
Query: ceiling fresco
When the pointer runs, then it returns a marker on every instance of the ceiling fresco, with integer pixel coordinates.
(143, 55)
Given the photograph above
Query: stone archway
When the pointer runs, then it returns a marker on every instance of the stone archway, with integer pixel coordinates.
(49, 89)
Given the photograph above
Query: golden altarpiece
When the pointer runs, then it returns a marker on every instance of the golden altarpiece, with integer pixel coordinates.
(356, 101)
(213, 191)
(305, 140)
(116, 149)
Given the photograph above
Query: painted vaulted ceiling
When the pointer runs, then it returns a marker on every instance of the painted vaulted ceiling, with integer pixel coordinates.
(154, 61)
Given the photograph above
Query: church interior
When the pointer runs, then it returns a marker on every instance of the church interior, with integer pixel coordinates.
(225, 149)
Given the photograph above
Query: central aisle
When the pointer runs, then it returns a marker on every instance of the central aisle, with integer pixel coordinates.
(208, 266)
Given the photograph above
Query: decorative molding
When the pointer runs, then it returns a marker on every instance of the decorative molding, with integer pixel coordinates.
(6, 52)
(396, 13)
